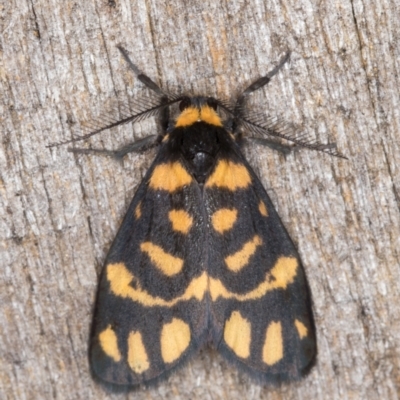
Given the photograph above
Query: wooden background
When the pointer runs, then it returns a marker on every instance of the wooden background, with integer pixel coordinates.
(59, 212)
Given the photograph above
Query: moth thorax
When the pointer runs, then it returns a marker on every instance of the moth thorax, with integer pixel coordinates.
(200, 145)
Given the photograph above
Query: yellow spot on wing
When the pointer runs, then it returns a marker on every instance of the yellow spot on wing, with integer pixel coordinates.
(240, 259)
(169, 177)
(237, 334)
(181, 221)
(273, 345)
(188, 117)
(280, 276)
(263, 209)
(109, 343)
(301, 328)
(229, 175)
(121, 278)
(175, 338)
(138, 211)
(137, 355)
(284, 271)
(210, 116)
(223, 219)
(166, 263)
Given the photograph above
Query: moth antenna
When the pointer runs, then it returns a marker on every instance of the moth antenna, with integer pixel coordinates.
(102, 123)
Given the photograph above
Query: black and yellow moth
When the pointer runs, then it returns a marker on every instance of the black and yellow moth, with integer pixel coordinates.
(201, 255)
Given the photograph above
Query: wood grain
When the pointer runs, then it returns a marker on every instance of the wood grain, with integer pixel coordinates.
(59, 212)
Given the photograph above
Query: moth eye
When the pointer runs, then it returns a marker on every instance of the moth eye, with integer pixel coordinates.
(212, 103)
(185, 103)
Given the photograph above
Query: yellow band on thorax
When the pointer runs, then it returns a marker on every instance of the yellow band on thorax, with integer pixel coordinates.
(191, 115)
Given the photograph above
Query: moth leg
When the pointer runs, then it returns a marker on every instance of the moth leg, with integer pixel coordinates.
(259, 83)
(164, 115)
(284, 149)
(141, 76)
(137, 146)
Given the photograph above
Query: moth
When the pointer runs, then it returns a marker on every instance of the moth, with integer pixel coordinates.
(202, 256)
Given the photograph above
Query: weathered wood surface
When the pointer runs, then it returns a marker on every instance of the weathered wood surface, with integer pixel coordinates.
(59, 212)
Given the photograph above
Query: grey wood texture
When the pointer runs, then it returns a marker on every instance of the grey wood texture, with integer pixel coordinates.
(59, 212)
